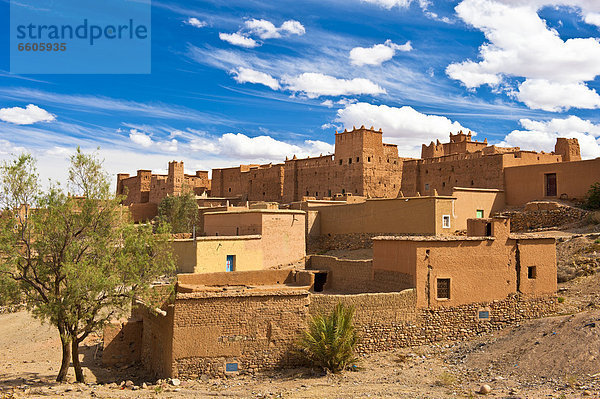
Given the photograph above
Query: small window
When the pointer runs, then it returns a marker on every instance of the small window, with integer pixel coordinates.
(349, 161)
(483, 314)
(532, 272)
(230, 263)
(340, 161)
(368, 159)
(479, 213)
(446, 221)
(229, 189)
(443, 288)
(231, 367)
(307, 193)
(426, 186)
(357, 159)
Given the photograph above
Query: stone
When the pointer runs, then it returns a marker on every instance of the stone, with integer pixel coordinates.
(129, 384)
(175, 382)
(587, 393)
(144, 385)
(485, 389)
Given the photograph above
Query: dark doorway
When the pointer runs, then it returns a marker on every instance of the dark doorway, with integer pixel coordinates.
(550, 184)
(320, 280)
(488, 229)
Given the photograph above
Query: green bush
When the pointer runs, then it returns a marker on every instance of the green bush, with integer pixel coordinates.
(593, 197)
(561, 299)
(329, 340)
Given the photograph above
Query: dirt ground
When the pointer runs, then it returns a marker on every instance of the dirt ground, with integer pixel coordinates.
(555, 357)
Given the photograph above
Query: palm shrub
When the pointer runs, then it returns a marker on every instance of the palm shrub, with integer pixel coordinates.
(329, 340)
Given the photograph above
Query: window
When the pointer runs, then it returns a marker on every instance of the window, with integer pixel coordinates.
(479, 213)
(443, 288)
(550, 184)
(446, 221)
(368, 159)
(230, 263)
(229, 189)
(426, 186)
(357, 159)
(483, 314)
(349, 161)
(340, 161)
(531, 272)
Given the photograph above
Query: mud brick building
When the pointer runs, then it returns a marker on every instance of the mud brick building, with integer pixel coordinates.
(466, 163)
(362, 165)
(415, 290)
(146, 187)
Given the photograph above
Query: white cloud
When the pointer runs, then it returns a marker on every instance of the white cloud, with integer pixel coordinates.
(327, 103)
(267, 30)
(293, 27)
(140, 138)
(314, 85)
(327, 126)
(592, 19)
(403, 126)
(238, 39)
(554, 96)
(168, 146)
(25, 116)
(542, 135)
(520, 44)
(377, 54)
(247, 75)
(195, 22)
(260, 148)
(389, 4)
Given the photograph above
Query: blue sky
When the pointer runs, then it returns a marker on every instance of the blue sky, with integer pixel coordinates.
(255, 81)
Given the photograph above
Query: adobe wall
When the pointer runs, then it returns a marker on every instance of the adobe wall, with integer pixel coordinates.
(357, 276)
(143, 212)
(480, 269)
(262, 277)
(469, 200)
(157, 340)
(283, 238)
(122, 342)
(232, 223)
(259, 330)
(573, 180)
(256, 331)
(283, 232)
(209, 254)
(399, 215)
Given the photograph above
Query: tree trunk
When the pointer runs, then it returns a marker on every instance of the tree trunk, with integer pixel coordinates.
(65, 341)
(76, 364)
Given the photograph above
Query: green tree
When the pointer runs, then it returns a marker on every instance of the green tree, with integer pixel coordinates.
(329, 340)
(180, 212)
(593, 197)
(77, 260)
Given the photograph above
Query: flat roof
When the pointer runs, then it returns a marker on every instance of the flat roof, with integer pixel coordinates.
(220, 238)
(491, 190)
(432, 238)
(276, 211)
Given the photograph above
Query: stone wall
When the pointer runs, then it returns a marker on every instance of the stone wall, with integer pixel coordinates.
(324, 243)
(544, 215)
(390, 320)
